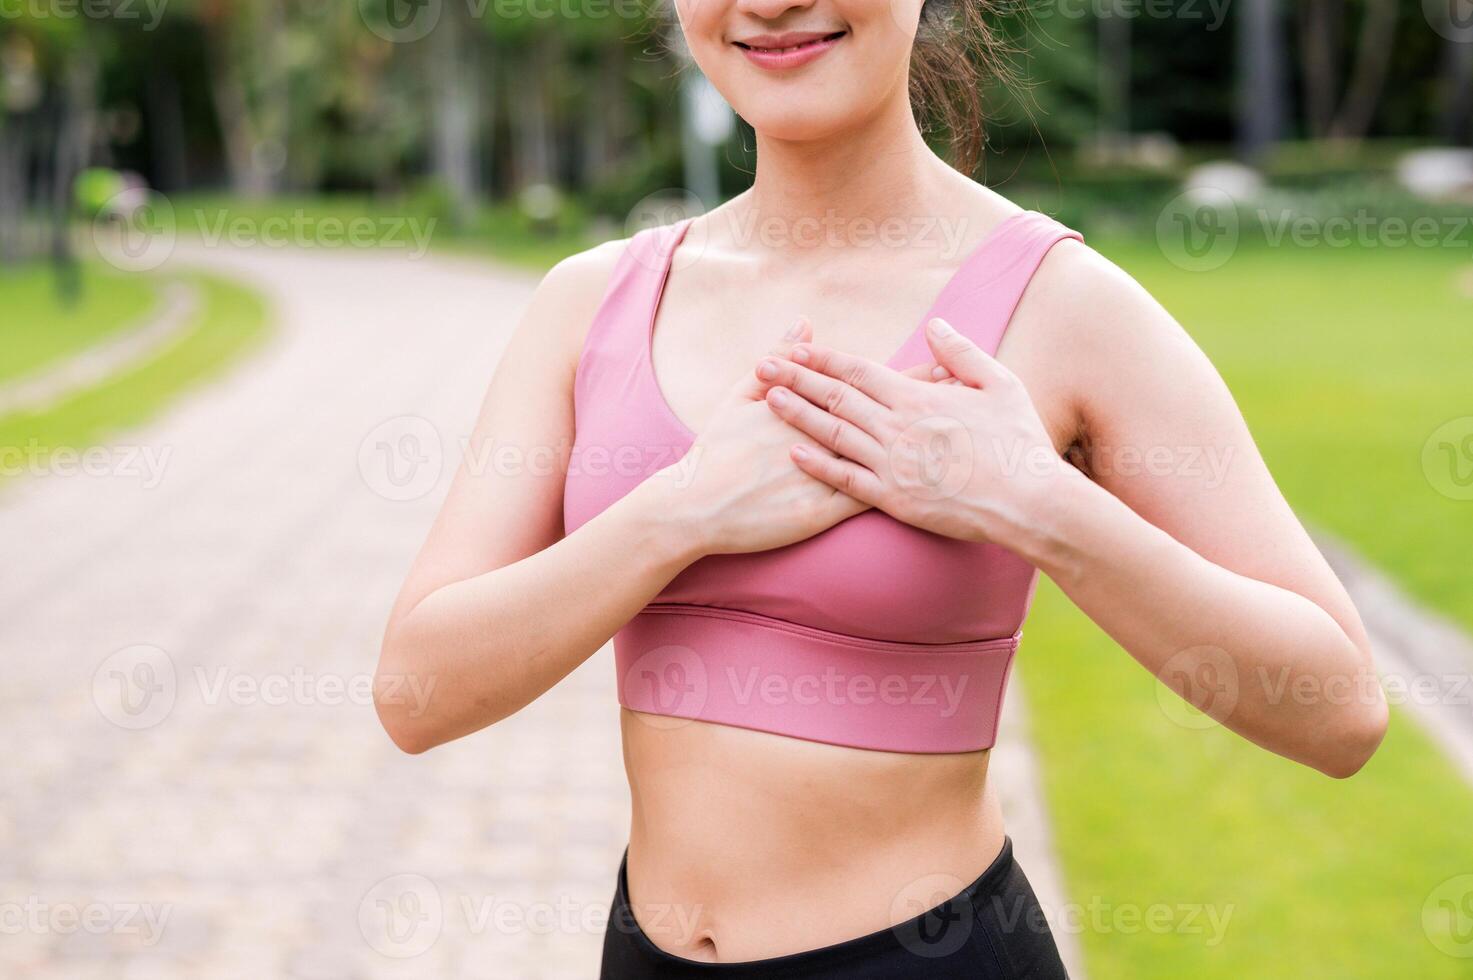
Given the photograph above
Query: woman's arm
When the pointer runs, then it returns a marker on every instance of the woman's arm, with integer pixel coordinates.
(1172, 537)
(499, 605)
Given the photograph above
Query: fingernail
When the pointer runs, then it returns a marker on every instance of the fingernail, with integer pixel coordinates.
(800, 354)
(778, 397)
(767, 370)
(795, 331)
(800, 452)
(938, 372)
(941, 328)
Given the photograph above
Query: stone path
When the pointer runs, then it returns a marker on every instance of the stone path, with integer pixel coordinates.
(196, 785)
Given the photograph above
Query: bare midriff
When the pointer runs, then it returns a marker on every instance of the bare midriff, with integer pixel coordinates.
(746, 845)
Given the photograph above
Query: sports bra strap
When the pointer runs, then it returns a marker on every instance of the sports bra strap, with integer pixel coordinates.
(981, 299)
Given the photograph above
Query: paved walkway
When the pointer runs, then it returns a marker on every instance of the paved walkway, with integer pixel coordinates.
(196, 786)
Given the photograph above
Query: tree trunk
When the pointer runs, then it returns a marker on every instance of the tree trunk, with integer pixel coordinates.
(1320, 25)
(1368, 79)
(166, 132)
(455, 82)
(1456, 122)
(74, 131)
(1261, 78)
(1114, 64)
(253, 132)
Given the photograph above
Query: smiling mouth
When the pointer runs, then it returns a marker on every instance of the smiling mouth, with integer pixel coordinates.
(763, 47)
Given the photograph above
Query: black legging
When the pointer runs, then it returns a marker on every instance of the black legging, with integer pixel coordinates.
(993, 930)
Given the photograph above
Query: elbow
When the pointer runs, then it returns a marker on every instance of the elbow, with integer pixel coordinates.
(401, 699)
(1356, 741)
(408, 737)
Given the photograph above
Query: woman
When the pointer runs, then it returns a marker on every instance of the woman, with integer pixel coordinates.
(812, 527)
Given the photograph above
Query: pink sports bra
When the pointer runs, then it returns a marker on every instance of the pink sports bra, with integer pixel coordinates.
(872, 634)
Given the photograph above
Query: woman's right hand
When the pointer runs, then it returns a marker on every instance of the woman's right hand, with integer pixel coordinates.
(738, 489)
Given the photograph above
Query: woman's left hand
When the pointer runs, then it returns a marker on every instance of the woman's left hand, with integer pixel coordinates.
(965, 455)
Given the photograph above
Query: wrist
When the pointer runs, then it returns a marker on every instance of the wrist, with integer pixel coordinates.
(1040, 522)
(662, 515)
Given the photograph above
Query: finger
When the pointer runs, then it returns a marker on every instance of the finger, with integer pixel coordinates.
(924, 372)
(881, 383)
(829, 431)
(964, 359)
(800, 332)
(844, 475)
(834, 397)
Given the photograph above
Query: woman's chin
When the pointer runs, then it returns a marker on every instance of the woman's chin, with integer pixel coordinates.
(796, 124)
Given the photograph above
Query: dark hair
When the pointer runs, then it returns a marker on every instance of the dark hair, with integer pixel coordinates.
(958, 50)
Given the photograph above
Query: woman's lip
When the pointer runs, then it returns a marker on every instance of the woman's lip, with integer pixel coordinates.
(793, 55)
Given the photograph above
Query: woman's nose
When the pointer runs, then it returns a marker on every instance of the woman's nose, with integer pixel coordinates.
(772, 9)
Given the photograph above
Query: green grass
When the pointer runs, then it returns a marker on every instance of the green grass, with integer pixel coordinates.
(231, 319)
(38, 329)
(1344, 363)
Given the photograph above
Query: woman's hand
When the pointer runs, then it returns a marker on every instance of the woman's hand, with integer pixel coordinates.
(747, 493)
(961, 452)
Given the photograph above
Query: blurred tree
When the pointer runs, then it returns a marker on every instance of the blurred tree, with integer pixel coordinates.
(1336, 109)
(1262, 80)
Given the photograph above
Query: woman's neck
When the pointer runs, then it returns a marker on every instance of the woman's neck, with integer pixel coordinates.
(880, 172)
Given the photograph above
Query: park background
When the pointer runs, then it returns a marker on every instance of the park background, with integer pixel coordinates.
(257, 242)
